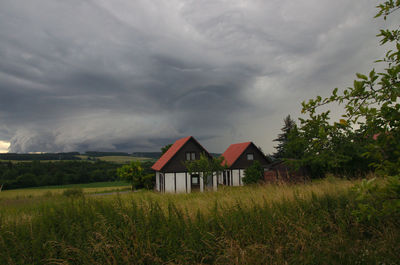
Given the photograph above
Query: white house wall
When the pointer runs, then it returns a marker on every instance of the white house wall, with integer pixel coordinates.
(241, 177)
(180, 182)
(169, 182)
(215, 181)
(235, 177)
(158, 181)
(188, 182)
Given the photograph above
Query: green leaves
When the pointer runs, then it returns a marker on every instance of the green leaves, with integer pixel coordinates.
(253, 173)
(361, 76)
(132, 173)
(371, 108)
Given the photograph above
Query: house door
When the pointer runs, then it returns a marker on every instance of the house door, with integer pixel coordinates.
(195, 182)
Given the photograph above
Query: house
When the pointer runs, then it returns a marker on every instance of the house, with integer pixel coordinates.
(282, 171)
(237, 158)
(171, 172)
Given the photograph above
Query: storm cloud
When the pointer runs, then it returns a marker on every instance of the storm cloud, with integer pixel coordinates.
(124, 75)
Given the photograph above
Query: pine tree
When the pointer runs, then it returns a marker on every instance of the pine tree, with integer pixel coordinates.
(282, 139)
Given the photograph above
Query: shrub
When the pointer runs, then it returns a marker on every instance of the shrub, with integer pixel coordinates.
(253, 173)
(376, 202)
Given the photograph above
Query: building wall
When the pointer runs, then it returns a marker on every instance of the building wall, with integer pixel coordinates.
(180, 182)
(241, 176)
(235, 177)
(215, 181)
(158, 181)
(169, 182)
(188, 183)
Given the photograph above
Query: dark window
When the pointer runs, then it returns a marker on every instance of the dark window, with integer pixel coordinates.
(190, 156)
(250, 157)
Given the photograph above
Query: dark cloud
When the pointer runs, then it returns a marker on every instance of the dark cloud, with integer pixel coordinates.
(135, 75)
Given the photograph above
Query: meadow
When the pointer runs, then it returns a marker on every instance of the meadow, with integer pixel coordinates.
(309, 223)
(118, 159)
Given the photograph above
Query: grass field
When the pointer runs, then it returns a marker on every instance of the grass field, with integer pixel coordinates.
(118, 159)
(273, 224)
(88, 188)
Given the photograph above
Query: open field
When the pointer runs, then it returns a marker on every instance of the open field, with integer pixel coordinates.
(118, 159)
(88, 188)
(123, 159)
(273, 224)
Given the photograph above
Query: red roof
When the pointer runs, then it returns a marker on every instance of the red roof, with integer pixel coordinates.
(170, 153)
(233, 152)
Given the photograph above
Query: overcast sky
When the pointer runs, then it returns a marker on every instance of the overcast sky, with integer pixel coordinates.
(134, 75)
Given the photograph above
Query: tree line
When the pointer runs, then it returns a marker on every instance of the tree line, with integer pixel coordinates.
(35, 173)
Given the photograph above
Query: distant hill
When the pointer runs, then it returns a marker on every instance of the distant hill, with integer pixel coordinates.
(44, 156)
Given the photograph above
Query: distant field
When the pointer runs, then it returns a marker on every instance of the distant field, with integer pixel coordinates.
(95, 187)
(117, 159)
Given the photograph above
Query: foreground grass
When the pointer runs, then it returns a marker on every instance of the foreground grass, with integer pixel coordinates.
(274, 224)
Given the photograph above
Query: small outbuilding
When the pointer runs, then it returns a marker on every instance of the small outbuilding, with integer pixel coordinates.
(171, 172)
(282, 171)
(237, 158)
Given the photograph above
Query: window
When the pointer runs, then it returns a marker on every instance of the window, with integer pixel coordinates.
(195, 179)
(190, 156)
(250, 157)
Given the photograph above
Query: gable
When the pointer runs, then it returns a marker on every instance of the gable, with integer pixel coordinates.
(173, 161)
(166, 157)
(242, 161)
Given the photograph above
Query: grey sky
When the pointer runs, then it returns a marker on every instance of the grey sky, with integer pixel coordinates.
(135, 75)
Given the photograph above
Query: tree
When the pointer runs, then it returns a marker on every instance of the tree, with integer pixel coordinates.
(372, 109)
(282, 139)
(254, 173)
(131, 173)
(165, 148)
(206, 165)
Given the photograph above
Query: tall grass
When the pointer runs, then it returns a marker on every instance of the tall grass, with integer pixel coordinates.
(306, 224)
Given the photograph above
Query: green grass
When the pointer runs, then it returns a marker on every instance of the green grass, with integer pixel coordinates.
(122, 159)
(95, 187)
(86, 185)
(273, 224)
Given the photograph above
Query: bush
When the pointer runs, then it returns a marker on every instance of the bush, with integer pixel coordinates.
(147, 181)
(253, 173)
(377, 202)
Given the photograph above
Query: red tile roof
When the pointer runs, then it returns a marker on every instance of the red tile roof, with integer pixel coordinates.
(233, 152)
(170, 153)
